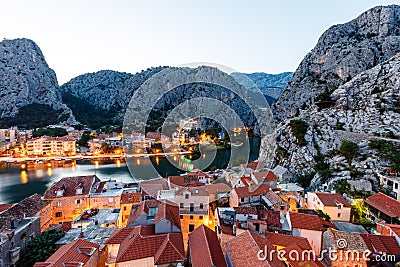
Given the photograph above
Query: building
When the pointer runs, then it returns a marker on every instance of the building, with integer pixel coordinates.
(351, 248)
(265, 177)
(332, 204)
(193, 208)
(140, 246)
(80, 253)
(391, 183)
(19, 223)
(205, 249)
(150, 188)
(248, 196)
(164, 216)
(70, 196)
(33, 206)
(282, 174)
(389, 230)
(243, 251)
(51, 146)
(128, 199)
(383, 207)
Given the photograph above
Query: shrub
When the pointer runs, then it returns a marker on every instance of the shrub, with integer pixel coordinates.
(299, 130)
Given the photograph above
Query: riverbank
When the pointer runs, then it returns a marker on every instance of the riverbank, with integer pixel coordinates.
(78, 157)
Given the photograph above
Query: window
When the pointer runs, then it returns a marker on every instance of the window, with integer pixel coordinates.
(110, 200)
(339, 215)
(201, 217)
(191, 217)
(59, 203)
(201, 206)
(181, 216)
(187, 196)
(79, 191)
(153, 211)
(242, 199)
(396, 185)
(124, 207)
(59, 214)
(196, 191)
(191, 227)
(191, 206)
(339, 207)
(78, 201)
(181, 205)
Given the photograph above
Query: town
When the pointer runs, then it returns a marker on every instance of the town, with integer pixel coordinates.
(198, 219)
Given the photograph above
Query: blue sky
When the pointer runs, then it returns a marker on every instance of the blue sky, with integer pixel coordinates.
(86, 36)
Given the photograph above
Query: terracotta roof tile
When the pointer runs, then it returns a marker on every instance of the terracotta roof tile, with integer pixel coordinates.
(127, 198)
(69, 184)
(75, 252)
(264, 176)
(151, 187)
(287, 240)
(4, 207)
(262, 189)
(300, 262)
(354, 241)
(245, 210)
(381, 244)
(243, 250)
(332, 199)
(169, 211)
(385, 204)
(205, 249)
(310, 222)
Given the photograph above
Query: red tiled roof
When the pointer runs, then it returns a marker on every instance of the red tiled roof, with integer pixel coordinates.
(4, 207)
(259, 190)
(177, 180)
(165, 248)
(381, 244)
(264, 176)
(243, 251)
(354, 241)
(246, 181)
(302, 261)
(282, 240)
(69, 184)
(205, 249)
(217, 188)
(385, 204)
(245, 210)
(127, 198)
(75, 252)
(332, 199)
(151, 187)
(121, 234)
(271, 217)
(310, 222)
(252, 165)
(169, 211)
(394, 227)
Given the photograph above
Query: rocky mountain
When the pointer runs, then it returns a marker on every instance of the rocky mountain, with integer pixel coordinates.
(27, 83)
(271, 85)
(341, 52)
(359, 100)
(106, 93)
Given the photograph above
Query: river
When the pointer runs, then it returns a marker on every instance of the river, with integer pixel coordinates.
(18, 182)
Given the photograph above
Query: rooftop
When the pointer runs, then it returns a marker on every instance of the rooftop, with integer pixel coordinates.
(282, 240)
(75, 253)
(332, 199)
(264, 176)
(69, 185)
(385, 204)
(310, 222)
(207, 251)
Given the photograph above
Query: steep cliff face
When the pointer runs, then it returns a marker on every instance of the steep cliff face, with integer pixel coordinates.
(342, 52)
(27, 79)
(365, 108)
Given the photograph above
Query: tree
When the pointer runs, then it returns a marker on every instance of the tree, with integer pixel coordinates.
(323, 215)
(40, 248)
(299, 130)
(342, 186)
(349, 150)
(83, 141)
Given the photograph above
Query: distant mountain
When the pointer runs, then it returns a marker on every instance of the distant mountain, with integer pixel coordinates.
(28, 87)
(105, 94)
(271, 85)
(342, 52)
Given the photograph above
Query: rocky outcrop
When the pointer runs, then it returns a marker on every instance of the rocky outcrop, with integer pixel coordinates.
(365, 108)
(26, 79)
(342, 52)
(270, 85)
